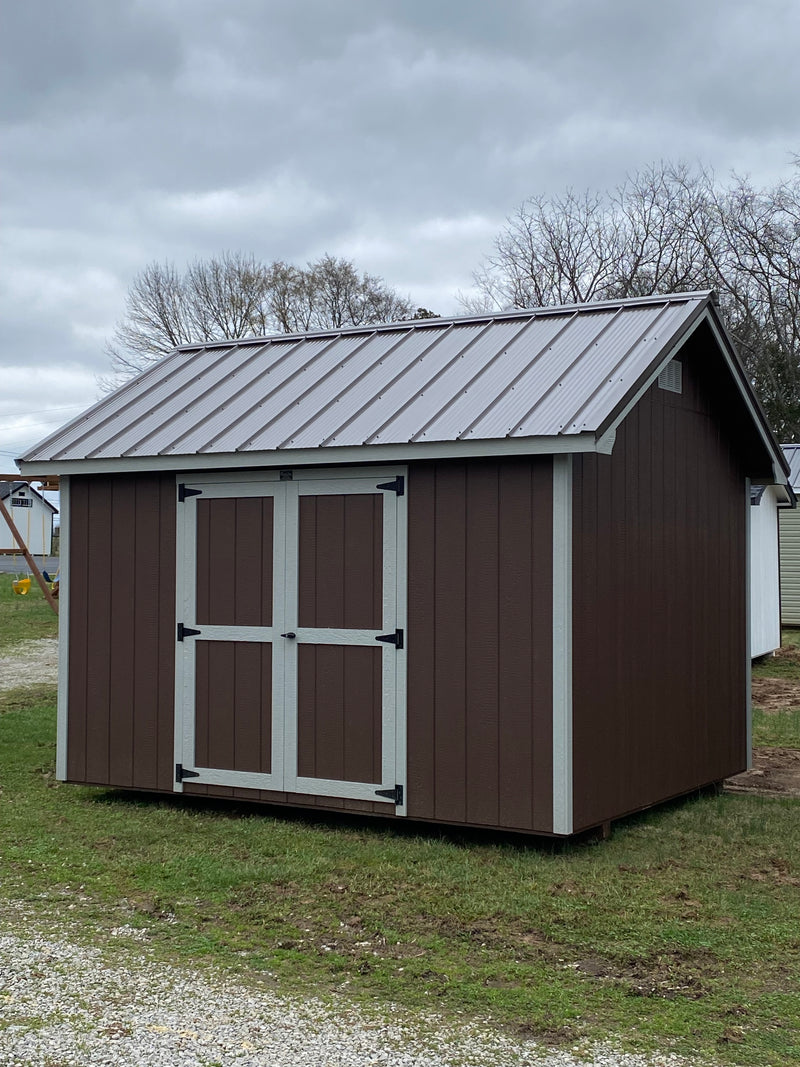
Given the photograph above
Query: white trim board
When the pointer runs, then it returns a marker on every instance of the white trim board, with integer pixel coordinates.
(316, 457)
(562, 645)
(62, 714)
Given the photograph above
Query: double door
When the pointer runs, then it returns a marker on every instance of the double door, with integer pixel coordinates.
(290, 665)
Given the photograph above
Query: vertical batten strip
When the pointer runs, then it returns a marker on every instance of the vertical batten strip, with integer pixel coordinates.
(748, 625)
(63, 631)
(562, 644)
(180, 579)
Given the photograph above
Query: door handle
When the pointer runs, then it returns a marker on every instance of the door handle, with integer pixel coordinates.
(290, 634)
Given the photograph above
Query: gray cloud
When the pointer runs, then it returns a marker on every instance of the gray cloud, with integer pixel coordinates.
(400, 135)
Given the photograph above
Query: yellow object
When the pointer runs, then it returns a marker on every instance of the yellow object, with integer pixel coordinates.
(21, 586)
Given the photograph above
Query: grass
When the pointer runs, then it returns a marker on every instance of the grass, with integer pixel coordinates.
(679, 933)
(776, 729)
(24, 618)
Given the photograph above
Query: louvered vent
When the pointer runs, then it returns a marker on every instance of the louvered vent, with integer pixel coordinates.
(671, 377)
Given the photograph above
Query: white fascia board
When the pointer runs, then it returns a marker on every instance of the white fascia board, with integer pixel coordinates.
(561, 444)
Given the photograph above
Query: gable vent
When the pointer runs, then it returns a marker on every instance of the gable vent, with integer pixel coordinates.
(671, 377)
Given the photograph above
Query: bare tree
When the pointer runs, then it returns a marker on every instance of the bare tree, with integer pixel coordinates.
(669, 228)
(236, 295)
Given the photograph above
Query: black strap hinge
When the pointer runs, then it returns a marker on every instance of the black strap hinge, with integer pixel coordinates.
(397, 486)
(185, 490)
(395, 795)
(182, 772)
(395, 639)
(185, 631)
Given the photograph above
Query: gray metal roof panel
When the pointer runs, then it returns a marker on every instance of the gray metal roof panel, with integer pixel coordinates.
(331, 423)
(636, 338)
(375, 363)
(792, 454)
(548, 362)
(544, 372)
(271, 384)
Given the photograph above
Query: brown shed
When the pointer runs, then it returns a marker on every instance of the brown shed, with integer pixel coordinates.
(488, 571)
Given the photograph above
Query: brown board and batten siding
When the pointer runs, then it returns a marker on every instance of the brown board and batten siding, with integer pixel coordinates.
(122, 630)
(480, 623)
(659, 606)
(479, 638)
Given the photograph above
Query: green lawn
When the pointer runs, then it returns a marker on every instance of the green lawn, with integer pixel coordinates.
(680, 932)
(24, 618)
(776, 729)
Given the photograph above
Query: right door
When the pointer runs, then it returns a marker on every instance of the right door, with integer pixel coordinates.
(344, 658)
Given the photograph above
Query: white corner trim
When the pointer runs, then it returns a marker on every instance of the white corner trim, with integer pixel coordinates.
(562, 645)
(748, 625)
(63, 633)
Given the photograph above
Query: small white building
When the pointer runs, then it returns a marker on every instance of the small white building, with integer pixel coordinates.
(31, 514)
(766, 504)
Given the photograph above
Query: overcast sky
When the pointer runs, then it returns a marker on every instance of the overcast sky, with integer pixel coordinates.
(397, 134)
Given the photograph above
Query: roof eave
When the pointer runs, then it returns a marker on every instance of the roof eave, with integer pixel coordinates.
(559, 444)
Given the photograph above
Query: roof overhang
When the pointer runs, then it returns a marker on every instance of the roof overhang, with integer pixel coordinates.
(563, 444)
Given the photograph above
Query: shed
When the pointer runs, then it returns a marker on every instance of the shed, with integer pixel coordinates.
(32, 515)
(767, 502)
(487, 571)
(789, 525)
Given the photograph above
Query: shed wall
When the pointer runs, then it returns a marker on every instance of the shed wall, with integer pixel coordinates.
(480, 622)
(789, 520)
(122, 631)
(479, 642)
(660, 634)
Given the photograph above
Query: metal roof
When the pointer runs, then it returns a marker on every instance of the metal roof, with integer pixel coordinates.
(792, 454)
(551, 374)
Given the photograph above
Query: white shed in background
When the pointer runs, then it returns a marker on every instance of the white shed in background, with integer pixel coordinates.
(790, 546)
(766, 503)
(31, 514)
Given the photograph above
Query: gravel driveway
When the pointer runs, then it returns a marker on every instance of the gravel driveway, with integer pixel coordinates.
(64, 1005)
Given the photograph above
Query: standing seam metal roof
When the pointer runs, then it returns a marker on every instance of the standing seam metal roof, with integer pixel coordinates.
(550, 372)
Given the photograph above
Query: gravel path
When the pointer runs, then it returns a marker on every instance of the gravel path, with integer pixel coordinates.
(29, 663)
(64, 1005)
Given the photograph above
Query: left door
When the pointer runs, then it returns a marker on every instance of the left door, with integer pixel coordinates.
(229, 680)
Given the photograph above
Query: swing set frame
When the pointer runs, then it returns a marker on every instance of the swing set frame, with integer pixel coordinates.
(22, 548)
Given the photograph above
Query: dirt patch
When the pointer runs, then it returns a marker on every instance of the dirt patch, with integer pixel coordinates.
(30, 663)
(775, 772)
(776, 694)
(680, 973)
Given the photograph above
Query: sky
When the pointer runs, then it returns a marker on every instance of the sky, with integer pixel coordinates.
(399, 135)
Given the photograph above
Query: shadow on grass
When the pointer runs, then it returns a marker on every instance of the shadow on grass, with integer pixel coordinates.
(378, 826)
